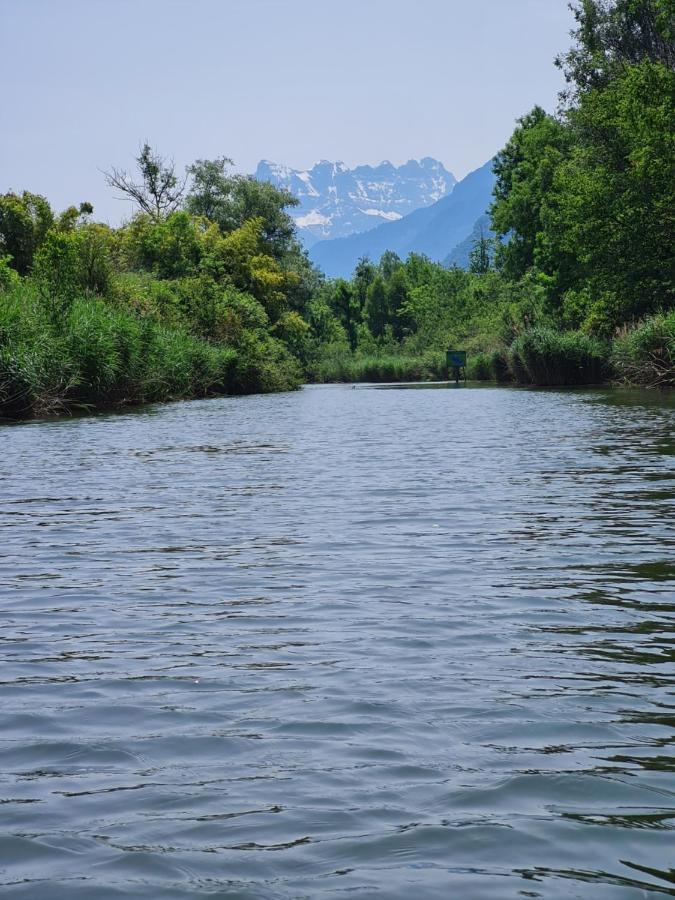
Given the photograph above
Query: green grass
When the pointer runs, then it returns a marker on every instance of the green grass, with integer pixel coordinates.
(99, 355)
(543, 357)
(645, 353)
(347, 367)
(488, 366)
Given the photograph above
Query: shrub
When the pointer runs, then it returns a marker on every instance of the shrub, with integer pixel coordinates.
(343, 366)
(488, 366)
(8, 277)
(542, 356)
(264, 365)
(645, 353)
(24, 222)
(57, 271)
(98, 355)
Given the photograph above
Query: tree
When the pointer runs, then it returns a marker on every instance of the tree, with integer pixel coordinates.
(169, 247)
(159, 191)
(377, 312)
(364, 275)
(57, 271)
(94, 244)
(397, 302)
(389, 263)
(211, 190)
(326, 328)
(612, 34)
(613, 199)
(73, 216)
(480, 257)
(9, 277)
(252, 269)
(344, 305)
(231, 200)
(260, 199)
(24, 222)
(525, 171)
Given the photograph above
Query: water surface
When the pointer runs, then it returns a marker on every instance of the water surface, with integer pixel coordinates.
(393, 643)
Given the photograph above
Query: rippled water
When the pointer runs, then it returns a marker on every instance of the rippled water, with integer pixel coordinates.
(395, 643)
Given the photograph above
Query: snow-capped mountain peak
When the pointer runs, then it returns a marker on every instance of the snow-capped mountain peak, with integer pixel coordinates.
(336, 201)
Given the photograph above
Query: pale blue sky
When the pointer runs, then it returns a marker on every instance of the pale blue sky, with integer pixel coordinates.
(85, 81)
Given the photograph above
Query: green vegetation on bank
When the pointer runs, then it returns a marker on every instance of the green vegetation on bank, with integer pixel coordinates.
(171, 305)
(205, 290)
(645, 355)
(577, 286)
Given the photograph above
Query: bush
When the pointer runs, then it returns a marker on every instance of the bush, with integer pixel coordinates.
(488, 366)
(8, 277)
(57, 271)
(264, 365)
(343, 366)
(542, 356)
(99, 355)
(645, 353)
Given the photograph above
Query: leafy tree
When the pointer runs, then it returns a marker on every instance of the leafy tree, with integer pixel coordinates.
(9, 278)
(480, 257)
(345, 306)
(231, 200)
(377, 310)
(262, 200)
(169, 247)
(323, 322)
(293, 330)
(397, 301)
(24, 222)
(613, 199)
(210, 191)
(525, 171)
(364, 275)
(57, 271)
(389, 263)
(239, 315)
(613, 34)
(159, 190)
(94, 242)
(73, 216)
(585, 204)
(304, 279)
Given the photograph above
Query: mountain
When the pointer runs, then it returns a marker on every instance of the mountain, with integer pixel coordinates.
(433, 230)
(459, 256)
(336, 201)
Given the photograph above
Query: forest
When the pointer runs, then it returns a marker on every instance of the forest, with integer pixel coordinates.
(206, 290)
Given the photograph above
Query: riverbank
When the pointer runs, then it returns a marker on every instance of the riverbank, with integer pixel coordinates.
(97, 356)
(642, 355)
(102, 358)
(65, 348)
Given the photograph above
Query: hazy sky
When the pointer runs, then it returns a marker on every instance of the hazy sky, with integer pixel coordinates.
(294, 81)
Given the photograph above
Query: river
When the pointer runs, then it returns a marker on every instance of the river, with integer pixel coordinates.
(341, 643)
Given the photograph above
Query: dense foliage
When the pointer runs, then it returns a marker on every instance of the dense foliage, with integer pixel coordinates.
(206, 289)
(584, 202)
(172, 304)
(583, 213)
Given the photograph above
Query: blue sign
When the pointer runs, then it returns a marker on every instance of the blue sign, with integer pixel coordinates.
(456, 358)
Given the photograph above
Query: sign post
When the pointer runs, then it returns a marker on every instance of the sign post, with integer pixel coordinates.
(456, 360)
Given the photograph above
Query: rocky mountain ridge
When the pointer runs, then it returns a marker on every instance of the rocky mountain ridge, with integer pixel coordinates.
(435, 231)
(336, 201)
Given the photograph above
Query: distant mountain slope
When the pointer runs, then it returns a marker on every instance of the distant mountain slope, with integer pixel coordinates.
(434, 230)
(460, 255)
(336, 201)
